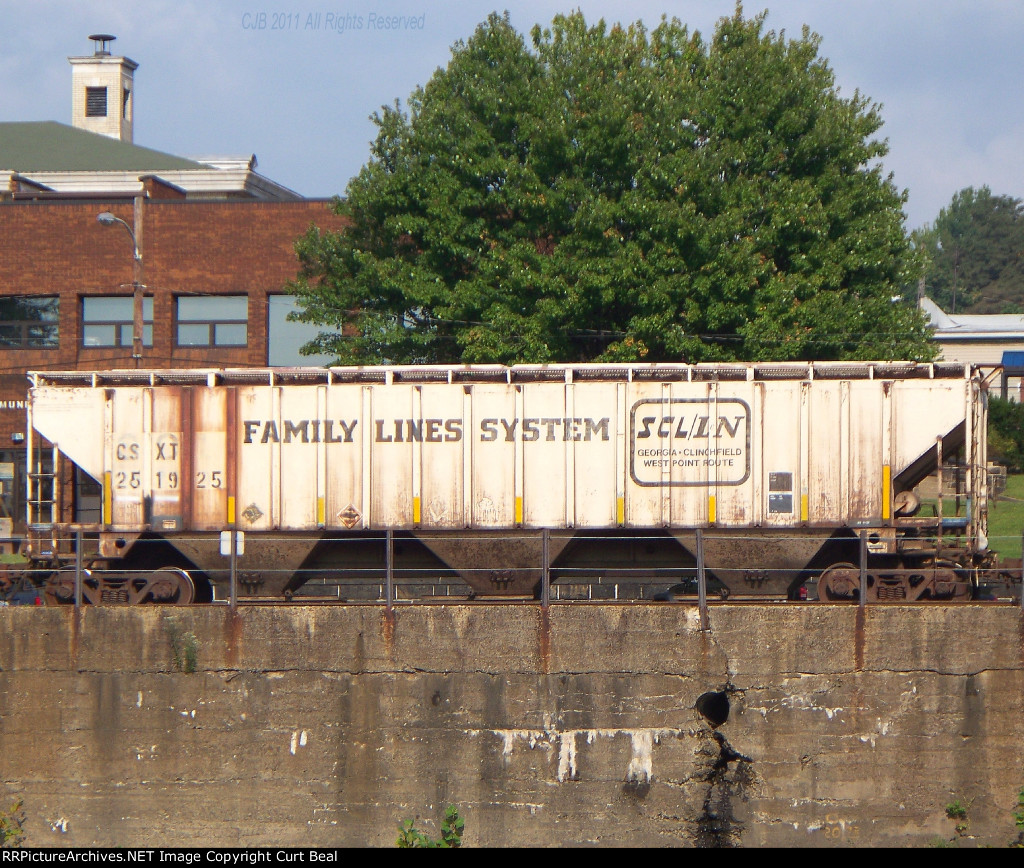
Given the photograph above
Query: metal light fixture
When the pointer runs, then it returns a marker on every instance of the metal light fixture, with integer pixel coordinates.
(105, 218)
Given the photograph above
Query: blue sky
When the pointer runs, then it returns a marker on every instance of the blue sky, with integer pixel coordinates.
(291, 83)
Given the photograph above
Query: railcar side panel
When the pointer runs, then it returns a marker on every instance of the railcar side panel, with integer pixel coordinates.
(780, 445)
(439, 458)
(547, 495)
(259, 430)
(164, 458)
(865, 451)
(926, 410)
(209, 472)
(391, 478)
(495, 489)
(827, 448)
(594, 440)
(298, 491)
(124, 440)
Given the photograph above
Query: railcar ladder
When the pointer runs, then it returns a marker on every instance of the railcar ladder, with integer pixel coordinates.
(42, 487)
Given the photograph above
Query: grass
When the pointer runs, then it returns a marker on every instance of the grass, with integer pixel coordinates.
(1006, 518)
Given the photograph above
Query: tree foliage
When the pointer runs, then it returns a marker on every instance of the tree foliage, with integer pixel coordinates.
(1006, 433)
(975, 253)
(619, 194)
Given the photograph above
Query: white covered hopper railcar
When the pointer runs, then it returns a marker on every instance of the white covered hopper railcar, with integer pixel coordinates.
(780, 466)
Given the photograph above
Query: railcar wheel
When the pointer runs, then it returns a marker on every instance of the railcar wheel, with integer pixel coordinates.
(166, 586)
(947, 583)
(59, 589)
(839, 582)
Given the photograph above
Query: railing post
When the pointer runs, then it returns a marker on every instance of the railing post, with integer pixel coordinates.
(545, 573)
(78, 569)
(702, 582)
(863, 568)
(389, 566)
(233, 588)
(939, 507)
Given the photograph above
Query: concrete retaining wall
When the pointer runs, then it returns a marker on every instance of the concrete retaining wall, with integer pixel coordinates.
(328, 726)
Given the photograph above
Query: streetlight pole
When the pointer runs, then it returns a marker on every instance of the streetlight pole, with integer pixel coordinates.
(107, 219)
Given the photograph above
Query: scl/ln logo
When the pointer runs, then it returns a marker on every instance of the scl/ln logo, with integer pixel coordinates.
(690, 442)
(698, 427)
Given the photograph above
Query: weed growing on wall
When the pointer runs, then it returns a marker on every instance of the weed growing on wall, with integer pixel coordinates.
(957, 812)
(452, 827)
(1018, 817)
(184, 647)
(12, 821)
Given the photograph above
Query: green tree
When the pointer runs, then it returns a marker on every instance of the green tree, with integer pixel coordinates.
(618, 194)
(1006, 433)
(975, 253)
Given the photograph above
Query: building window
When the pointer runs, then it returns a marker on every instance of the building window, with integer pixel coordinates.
(285, 338)
(213, 321)
(29, 322)
(108, 321)
(87, 498)
(95, 102)
(125, 96)
(12, 489)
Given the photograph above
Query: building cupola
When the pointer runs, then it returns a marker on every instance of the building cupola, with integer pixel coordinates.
(103, 91)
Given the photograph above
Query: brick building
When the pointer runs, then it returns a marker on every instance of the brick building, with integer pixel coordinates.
(189, 271)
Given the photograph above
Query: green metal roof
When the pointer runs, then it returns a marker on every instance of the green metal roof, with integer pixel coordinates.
(47, 146)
